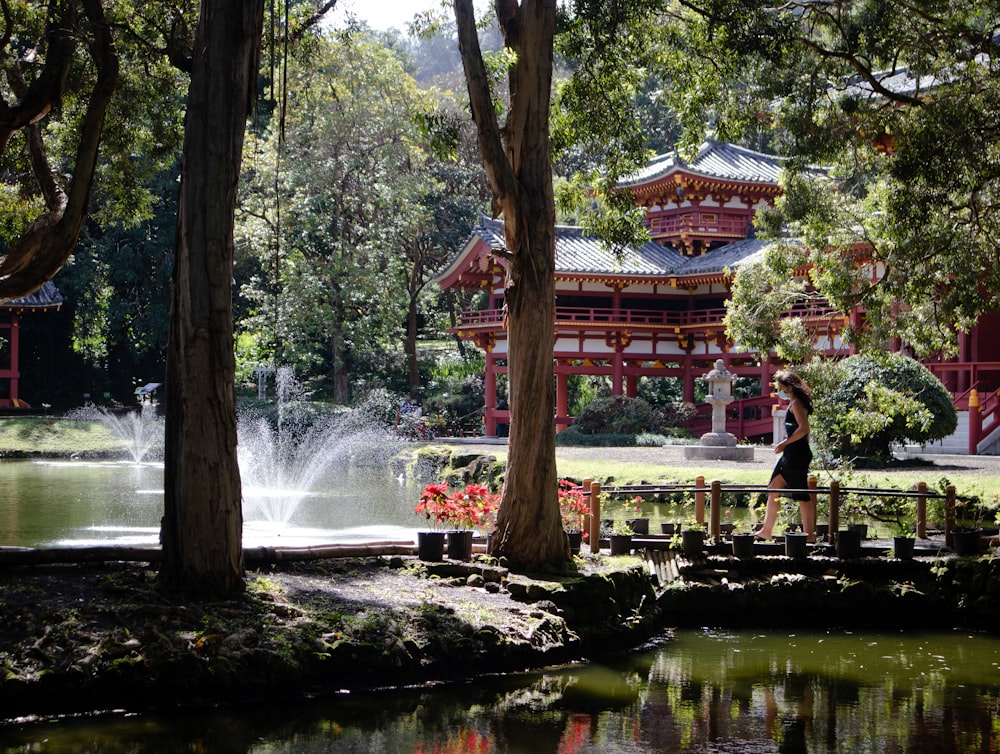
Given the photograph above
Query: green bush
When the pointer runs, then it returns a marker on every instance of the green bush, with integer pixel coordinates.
(618, 415)
(866, 404)
(573, 436)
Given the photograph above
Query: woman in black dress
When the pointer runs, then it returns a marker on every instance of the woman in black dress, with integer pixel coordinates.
(792, 469)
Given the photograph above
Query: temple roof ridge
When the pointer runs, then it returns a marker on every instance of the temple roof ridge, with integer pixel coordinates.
(714, 159)
(46, 297)
(579, 253)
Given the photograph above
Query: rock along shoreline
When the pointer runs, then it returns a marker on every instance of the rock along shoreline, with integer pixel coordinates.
(77, 638)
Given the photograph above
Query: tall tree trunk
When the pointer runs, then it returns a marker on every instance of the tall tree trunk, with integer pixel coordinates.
(518, 164)
(338, 357)
(202, 525)
(410, 342)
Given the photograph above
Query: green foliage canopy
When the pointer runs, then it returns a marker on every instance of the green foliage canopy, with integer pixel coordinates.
(330, 208)
(899, 104)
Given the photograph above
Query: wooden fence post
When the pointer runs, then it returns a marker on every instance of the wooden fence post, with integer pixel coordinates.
(595, 517)
(813, 484)
(699, 500)
(834, 510)
(922, 510)
(949, 514)
(715, 510)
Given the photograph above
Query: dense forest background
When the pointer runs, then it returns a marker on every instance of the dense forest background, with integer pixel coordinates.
(361, 180)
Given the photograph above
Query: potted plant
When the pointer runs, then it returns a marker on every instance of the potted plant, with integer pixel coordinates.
(796, 544)
(620, 538)
(849, 538)
(966, 537)
(848, 544)
(464, 510)
(693, 539)
(903, 541)
(742, 538)
(574, 507)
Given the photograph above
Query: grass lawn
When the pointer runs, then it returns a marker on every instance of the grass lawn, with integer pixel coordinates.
(972, 478)
(56, 436)
(41, 435)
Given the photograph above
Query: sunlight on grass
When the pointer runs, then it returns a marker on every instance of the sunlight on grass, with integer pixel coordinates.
(601, 469)
(58, 436)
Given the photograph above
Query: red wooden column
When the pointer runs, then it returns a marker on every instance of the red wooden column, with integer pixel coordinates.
(689, 377)
(15, 347)
(490, 387)
(964, 380)
(631, 385)
(617, 371)
(618, 341)
(15, 350)
(562, 399)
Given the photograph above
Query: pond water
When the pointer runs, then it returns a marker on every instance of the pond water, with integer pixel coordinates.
(700, 691)
(48, 503)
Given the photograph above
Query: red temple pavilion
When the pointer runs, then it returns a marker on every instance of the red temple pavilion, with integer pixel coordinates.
(45, 298)
(657, 310)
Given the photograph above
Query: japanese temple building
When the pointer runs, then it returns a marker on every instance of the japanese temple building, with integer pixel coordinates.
(656, 310)
(44, 299)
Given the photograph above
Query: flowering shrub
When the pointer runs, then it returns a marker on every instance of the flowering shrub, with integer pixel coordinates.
(573, 505)
(475, 506)
(471, 508)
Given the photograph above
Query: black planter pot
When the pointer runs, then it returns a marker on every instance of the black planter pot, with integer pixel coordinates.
(902, 547)
(575, 541)
(967, 542)
(743, 545)
(638, 525)
(668, 528)
(460, 545)
(430, 545)
(620, 544)
(693, 542)
(848, 544)
(796, 544)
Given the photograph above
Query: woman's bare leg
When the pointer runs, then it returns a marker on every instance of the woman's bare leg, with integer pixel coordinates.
(773, 506)
(807, 509)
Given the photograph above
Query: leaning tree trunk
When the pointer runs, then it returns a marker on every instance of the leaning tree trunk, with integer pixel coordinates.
(203, 522)
(46, 244)
(518, 164)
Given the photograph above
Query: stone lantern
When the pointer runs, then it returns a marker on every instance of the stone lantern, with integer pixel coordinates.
(720, 395)
(719, 444)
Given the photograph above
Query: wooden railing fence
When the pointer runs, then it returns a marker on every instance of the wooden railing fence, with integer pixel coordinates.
(713, 492)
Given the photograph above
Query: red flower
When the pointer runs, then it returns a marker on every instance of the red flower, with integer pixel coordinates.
(470, 508)
(573, 505)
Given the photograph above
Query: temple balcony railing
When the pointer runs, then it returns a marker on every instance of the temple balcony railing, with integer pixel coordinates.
(711, 224)
(631, 318)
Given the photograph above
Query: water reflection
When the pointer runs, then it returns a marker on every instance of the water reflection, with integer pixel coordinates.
(699, 692)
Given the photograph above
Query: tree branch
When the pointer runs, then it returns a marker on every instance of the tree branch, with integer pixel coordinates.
(499, 172)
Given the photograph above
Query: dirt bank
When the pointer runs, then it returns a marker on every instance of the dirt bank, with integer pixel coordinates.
(85, 637)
